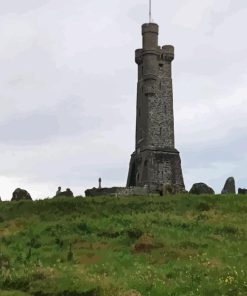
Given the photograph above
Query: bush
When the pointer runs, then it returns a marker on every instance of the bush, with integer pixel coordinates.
(70, 254)
(34, 243)
(110, 234)
(134, 233)
(4, 261)
(83, 227)
(59, 242)
(227, 230)
(203, 207)
(189, 245)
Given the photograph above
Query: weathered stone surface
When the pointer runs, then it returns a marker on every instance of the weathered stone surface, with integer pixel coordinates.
(201, 188)
(168, 189)
(60, 193)
(133, 191)
(155, 160)
(20, 194)
(117, 191)
(102, 191)
(242, 191)
(229, 187)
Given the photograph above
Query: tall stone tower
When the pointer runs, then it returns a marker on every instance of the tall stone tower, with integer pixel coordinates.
(155, 161)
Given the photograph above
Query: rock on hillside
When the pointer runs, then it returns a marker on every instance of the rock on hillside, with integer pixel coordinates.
(242, 191)
(201, 188)
(20, 194)
(229, 187)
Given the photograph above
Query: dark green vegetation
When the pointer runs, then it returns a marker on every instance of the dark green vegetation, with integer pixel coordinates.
(182, 245)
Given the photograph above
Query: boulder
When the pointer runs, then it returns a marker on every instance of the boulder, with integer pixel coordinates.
(20, 194)
(242, 191)
(201, 188)
(60, 193)
(68, 193)
(229, 187)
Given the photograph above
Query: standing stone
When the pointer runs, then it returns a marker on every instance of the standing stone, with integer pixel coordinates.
(201, 188)
(100, 181)
(155, 160)
(20, 194)
(229, 187)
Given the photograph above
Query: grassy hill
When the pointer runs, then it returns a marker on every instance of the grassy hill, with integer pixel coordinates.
(177, 245)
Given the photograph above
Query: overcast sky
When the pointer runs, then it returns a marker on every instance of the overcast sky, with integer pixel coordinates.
(68, 90)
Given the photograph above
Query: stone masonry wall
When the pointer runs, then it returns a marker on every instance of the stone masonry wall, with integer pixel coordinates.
(155, 160)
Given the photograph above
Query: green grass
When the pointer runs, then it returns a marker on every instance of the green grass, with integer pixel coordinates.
(130, 246)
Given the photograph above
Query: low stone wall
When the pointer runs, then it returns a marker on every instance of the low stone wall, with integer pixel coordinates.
(117, 191)
(102, 191)
(140, 191)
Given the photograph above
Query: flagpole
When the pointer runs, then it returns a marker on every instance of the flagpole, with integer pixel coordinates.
(150, 11)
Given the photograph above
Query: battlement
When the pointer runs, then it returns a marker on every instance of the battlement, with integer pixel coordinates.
(150, 28)
(138, 56)
(168, 53)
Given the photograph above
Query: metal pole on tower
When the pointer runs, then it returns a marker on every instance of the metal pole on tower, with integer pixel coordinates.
(150, 11)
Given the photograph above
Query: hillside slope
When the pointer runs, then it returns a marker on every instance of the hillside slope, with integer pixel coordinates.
(178, 245)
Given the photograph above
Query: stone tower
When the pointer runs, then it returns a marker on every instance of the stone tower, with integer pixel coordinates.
(155, 161)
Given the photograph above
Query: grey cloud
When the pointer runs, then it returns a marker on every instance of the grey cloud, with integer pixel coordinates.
(42, 126)
(34, 127)
(233, 149)
(23, 6)
(68, 90)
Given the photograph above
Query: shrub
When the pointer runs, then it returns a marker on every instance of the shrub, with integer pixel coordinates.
(59, 242)
(188, 245)
(6, 240)
(110, 234)
(4, 261)
(226, 229)
(83, 227)
(134, 233)
(203, 207)
(29, 254)
(70, 254)
(34, 243)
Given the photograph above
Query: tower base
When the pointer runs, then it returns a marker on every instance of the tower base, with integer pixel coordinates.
(156, 169)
